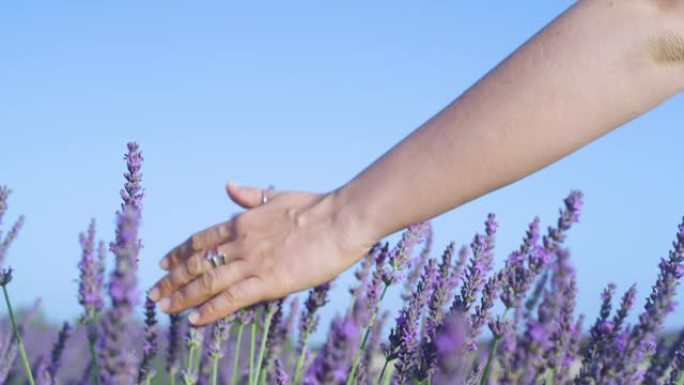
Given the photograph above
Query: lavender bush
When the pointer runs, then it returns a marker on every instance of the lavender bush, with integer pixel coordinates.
(436, 338)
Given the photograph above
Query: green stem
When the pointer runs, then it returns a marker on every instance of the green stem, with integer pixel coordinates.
(388, 379)
(357, 359)
(96, 363)
(192, 351)
(214, 371)
(236, 359)
(382, 372)
(549, 377)
(172, 377)
(492, 353)
(262, 348)
(300, 361)
(252, 348)
(20, 344)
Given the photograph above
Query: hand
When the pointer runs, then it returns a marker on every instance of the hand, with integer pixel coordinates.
(295, 241)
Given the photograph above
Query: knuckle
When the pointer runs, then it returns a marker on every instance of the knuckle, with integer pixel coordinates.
(208, 310)
(166, 285)
(195, 242)
(193, 267)
(229, 298)
(208, 281)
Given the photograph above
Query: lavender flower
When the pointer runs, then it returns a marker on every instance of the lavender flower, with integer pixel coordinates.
(374, 342)
(364, 270)
(403, 339)
(146, 371)
(194, 341)
(173, 346)
(517, 278)
(119, 366)
(280, 373)
(480, 264)
(677, 368)
(450, 347)
(482, 312)
(14, 231)
(47, 369)
(331, 365)
(418, 263)
(399, 257)
(317, 298)
(663, 358)
(658, 305)
(441, 292)
(220, 332)
(91, 277)
(457, 273)
(599, 334)
(5, 276)
(568, 216)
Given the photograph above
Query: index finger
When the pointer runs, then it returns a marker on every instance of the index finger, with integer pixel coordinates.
(209, 237)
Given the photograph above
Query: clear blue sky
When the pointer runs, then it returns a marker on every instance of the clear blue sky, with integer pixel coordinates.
(302, 95)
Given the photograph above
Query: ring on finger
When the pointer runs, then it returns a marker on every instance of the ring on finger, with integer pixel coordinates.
(211, 256)
(264, 194)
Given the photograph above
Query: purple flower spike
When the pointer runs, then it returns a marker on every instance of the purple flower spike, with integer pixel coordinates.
(480, 264)
(317, 298)
(5, 276)
(150, 345)
(418, 263)
(450, 348)
(91, 277)
(599, 335)
(399, 257)
(281, 377)
(173, 345)
(677, 368)
(403, 339)
(57, 352)
(118, 362)
(658, 305)
(568, 216)
(14, 231)
(331, 365)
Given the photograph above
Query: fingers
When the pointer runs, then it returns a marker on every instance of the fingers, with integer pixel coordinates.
(244, 293)
(184, 273)
(204, 287)
(247, 197)
(204, 239)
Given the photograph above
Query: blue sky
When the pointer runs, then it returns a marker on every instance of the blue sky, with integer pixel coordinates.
(302, 95)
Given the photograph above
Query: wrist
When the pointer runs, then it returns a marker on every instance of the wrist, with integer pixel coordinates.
(353, 221)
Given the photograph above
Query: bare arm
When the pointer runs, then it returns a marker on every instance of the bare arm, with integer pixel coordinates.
(599, 65)
(594, 68)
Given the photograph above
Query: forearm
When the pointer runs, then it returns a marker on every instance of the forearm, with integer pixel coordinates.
(594, 68)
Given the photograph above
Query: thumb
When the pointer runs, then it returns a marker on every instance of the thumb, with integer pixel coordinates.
(246, 197)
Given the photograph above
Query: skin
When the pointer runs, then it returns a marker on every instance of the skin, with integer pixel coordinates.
(594, 68)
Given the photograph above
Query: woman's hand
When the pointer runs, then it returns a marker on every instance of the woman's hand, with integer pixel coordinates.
(295, 241)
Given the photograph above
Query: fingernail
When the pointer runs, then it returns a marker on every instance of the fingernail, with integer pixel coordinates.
(154, 294)
(165, 304)
(194, 317)
(164, 264)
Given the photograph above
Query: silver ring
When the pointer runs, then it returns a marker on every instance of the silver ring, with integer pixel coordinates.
(213, 261)
(223, 258)
(264, 195)
(212, 256)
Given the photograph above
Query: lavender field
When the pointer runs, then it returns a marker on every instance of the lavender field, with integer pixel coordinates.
(462, 321)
